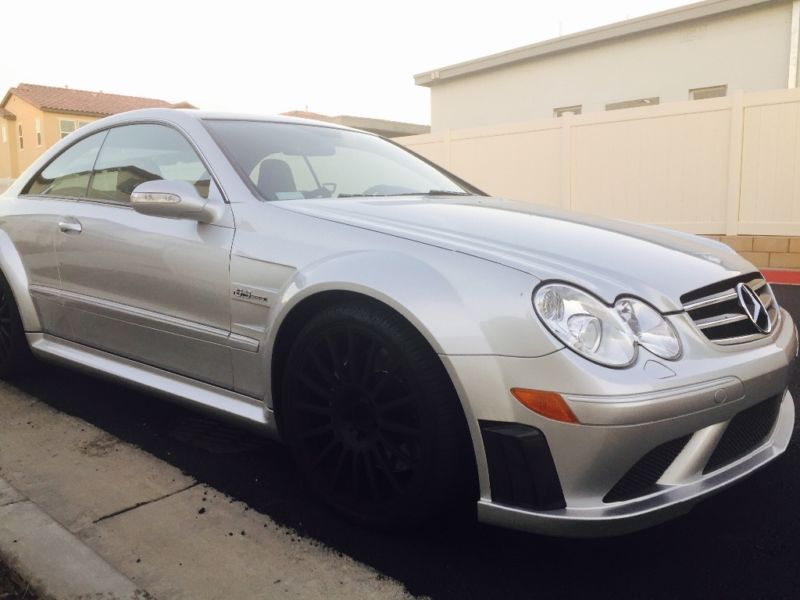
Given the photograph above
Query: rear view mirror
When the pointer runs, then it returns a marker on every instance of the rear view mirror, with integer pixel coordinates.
(174, 199)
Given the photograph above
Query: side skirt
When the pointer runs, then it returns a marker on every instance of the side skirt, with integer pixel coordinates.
(222, 402)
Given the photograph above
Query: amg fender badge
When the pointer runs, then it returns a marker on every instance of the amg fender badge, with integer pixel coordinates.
(249, 296)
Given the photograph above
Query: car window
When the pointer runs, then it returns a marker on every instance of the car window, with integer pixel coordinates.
(300, 172)
(375, 170)
(68, 175)
(133, 154)
(292, 161)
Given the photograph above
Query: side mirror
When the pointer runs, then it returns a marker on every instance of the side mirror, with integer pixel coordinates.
(174, 199)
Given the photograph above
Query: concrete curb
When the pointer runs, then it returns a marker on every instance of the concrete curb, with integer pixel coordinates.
(57, 564)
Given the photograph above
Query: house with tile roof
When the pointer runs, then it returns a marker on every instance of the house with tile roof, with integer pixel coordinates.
(34, 117)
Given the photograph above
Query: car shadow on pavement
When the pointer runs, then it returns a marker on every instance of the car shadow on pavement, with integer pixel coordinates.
(740, 543)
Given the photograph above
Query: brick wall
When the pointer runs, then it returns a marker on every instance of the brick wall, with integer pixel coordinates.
(765, 251)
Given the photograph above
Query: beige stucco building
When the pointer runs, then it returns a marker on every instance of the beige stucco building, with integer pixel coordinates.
(708, 49)
(34, 117)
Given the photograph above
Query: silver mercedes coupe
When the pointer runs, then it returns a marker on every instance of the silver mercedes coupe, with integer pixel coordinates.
(418, 344)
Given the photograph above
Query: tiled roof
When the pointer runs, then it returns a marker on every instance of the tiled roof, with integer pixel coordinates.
(7, 114)
(68, 100)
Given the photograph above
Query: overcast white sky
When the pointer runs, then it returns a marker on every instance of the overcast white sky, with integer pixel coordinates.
(334, 57)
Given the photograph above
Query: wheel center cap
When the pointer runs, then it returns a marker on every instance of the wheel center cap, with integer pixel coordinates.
(354, 417)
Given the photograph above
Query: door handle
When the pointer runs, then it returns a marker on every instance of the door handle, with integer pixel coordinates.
(69, 225)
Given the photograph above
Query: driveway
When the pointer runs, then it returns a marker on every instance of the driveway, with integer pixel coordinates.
(743, 543)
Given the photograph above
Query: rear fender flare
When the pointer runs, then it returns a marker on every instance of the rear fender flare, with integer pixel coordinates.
(17, 277)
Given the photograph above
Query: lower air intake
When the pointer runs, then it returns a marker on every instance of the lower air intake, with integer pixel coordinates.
(642, 477)
(746, 432)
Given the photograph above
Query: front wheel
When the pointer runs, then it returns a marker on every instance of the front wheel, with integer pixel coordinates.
(374, 423)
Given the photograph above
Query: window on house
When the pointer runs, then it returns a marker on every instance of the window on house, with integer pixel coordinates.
(633, 103)
(66, 127)
(714, 91)
(82, 123)
(21, 139)
(38, 124)
(567, 110)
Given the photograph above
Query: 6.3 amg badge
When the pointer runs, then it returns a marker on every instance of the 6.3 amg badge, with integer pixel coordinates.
(241, 293)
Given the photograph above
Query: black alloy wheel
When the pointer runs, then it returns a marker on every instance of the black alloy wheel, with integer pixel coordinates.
(374, 423)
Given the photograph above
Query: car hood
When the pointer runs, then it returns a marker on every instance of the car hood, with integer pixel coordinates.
(608, 257)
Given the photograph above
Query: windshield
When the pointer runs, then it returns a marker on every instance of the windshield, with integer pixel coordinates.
(289, 161)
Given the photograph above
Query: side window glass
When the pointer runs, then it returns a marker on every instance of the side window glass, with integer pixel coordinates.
(68, 175)
(133, 154)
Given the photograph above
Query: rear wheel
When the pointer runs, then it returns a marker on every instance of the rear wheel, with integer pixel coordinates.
(373, 420)
(15, 354)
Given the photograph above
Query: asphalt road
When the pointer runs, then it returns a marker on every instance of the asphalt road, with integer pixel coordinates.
(742, 543)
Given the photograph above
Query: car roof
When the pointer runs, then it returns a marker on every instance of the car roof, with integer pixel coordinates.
(178, 115)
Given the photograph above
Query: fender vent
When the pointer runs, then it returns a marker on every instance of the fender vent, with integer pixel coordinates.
(521, 468)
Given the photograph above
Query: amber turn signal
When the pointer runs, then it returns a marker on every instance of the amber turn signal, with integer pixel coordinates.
(547, 404)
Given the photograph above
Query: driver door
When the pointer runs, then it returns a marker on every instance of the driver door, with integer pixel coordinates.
(147, 288)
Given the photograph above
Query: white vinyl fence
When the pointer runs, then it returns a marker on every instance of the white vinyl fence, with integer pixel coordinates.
(721, 166)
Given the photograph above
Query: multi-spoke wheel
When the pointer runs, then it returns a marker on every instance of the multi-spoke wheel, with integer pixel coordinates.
(15, 355)
(373, 420)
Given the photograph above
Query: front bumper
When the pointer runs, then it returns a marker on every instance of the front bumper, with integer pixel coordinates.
(632, 515)
(690, 403)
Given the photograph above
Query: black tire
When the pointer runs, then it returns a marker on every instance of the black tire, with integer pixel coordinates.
(373, 420)
(15, 354)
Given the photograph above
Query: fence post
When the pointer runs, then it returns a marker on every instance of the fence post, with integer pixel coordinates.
(448, 143)
(735, 164)
(566, 160)
(794, 45)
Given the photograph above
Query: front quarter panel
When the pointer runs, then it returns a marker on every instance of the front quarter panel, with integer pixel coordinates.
(460, 304)
(455, 313)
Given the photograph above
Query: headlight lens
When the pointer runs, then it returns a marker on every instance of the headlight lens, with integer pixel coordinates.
(649, 328)
(605, 334)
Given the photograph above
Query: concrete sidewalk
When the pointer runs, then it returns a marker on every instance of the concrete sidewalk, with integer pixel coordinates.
(84, 506)
(51, 559)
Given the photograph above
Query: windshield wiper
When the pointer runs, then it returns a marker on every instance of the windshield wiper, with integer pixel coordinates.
(445, 193)
(428, 193)
(361, 195)
(434, 193)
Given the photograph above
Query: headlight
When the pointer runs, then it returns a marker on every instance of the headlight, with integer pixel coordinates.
(649, 328)
(608, 335)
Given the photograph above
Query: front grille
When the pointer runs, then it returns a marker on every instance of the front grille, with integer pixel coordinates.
(717, 312)
(746, 432)
(642, 477)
